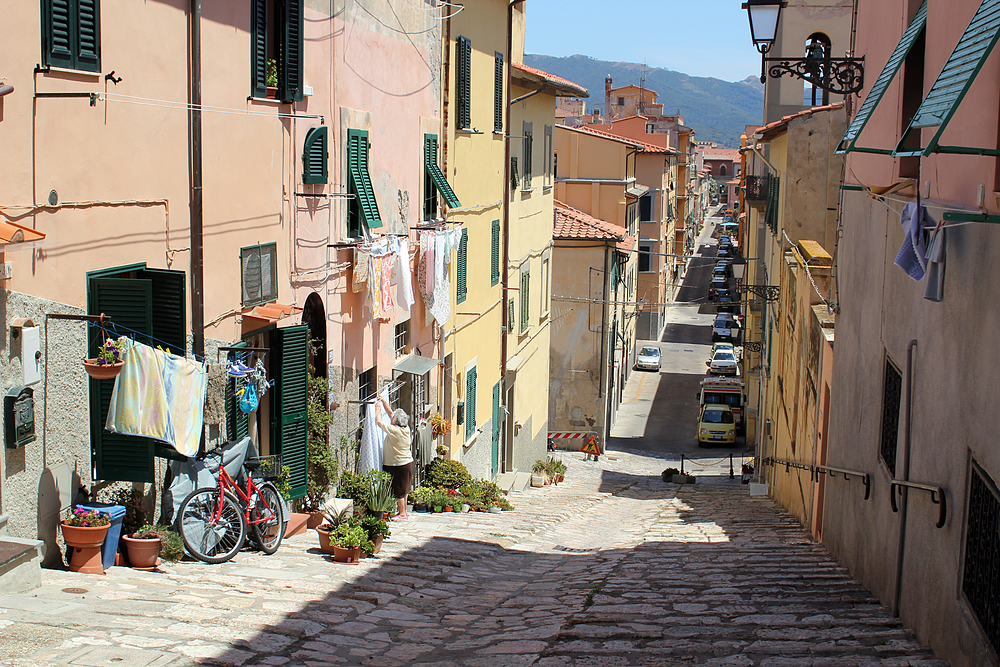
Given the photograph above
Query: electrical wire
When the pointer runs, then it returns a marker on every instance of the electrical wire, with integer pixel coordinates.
(805, 264)
(186, 106)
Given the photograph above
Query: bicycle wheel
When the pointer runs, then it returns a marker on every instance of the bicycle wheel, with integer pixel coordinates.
(267, 521)
(207, 538)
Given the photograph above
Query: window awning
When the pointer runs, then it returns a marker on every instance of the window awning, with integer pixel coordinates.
(415, 364)
(882, 84)
(431, 165)
(953, 83)
(11, 233)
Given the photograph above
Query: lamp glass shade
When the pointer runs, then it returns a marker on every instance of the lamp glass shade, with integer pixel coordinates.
(739, 265)
(763, 21)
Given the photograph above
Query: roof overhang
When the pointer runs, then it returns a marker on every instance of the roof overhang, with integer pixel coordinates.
(637, 190)
(415, 364)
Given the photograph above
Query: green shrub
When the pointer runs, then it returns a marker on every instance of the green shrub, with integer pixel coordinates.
(448, 473)
(355, 487)
(373, 526)
(322, 469)
(171, 544)
(347, 536)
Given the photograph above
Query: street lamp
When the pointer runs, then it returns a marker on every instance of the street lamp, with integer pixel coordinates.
(841, 76)
(739, 265)
(766, 292)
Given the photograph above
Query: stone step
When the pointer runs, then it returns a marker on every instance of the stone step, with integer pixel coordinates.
(20, 565)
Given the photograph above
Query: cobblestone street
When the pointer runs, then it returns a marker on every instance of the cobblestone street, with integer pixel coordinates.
(611, 567)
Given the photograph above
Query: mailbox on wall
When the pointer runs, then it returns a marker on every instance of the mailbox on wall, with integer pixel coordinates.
(19, 417)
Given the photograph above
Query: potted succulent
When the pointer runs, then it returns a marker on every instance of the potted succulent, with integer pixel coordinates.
(84, 531)
(381, 502)
(149, 542)
(334, 519)
(439, 425)
(560, 469)
(109, 360)
(347, 540)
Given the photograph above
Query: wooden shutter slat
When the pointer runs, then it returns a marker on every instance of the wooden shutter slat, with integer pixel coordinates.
(289, 411)
(461, 268)
(495, 254)
(315, 156)
(291, 52)
(498, 93)
(258, 50)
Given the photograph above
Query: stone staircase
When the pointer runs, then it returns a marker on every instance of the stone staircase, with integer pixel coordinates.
(20, 562)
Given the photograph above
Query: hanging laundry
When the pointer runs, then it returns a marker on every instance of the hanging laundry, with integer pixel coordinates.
(386, 263)
(215, 394)
(404, 283)
(441, 306)
(912, 254)
(934, 291)
(374, 287)
(372, 437)
(425, 272)
(360, 279)
(161, 396)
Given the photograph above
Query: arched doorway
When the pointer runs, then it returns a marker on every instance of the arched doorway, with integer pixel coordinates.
(314, 317)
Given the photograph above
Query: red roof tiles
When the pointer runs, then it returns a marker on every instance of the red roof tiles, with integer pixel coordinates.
(565, 85)
(573, 224)
(777, 127)
(641, 145)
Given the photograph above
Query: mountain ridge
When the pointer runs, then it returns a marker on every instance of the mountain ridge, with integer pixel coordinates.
(718, 110)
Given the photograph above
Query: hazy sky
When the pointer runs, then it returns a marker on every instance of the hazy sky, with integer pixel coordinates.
(697, 37)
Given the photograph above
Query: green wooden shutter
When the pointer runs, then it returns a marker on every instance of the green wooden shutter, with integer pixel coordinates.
(527, 131)
(289, 421)
(431, 165)
(495, 254)
(169, 326)
(496, 429)
(290, 56)
(116, 457)
(57, 33)
(88, 42)
(470, 403)
(461, 290)
(884, 79)
(498, 92)
(513, 172)
(510, 316)
(463, 83)
(237, 421)
(314, 156)
(258, 49)
(357, 164)
(953, 82)
(525, 299)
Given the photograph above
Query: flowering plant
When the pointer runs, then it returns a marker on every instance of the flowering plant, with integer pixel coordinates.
(81, 518)
(111, 352)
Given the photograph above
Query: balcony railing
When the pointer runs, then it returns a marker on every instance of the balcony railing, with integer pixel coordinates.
(757, 188)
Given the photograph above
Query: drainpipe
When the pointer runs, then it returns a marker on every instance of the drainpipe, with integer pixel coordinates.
(197, 249)
(905, 476)
(445, 107)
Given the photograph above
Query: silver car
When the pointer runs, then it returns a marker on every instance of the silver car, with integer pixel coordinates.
(723, 363)
(648, 358)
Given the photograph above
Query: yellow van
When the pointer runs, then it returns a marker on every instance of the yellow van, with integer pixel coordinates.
(716, 424)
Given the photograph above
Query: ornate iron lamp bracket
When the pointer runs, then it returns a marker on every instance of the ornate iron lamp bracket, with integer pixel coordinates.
(753, 346)
(766, 292)
(841, 76)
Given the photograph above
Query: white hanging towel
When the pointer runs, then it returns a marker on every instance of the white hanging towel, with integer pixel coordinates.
(372, 437)
(404, 278)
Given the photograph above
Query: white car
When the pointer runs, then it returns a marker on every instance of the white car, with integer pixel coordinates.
(723, 346)
(648, 357)
(723, 363)
(726, 328)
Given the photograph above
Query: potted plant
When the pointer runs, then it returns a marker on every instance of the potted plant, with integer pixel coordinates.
(448, 473)
(271, 79)
(322, 470)
(380, 499)
(560, 469)
(442, 450)
(109, 360)
(333, 521)
(84, 531)
(347, 540)
(377, 530)
(439, 425)
(438, 500)
(538, 473)
(149, 542)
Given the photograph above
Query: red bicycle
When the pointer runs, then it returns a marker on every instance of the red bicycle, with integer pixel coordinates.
(214, 523)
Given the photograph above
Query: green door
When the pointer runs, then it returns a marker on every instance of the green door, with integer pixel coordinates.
(496, 429)
(289, 419)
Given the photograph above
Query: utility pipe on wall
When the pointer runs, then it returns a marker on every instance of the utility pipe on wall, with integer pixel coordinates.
(905, 476)
(197, 248)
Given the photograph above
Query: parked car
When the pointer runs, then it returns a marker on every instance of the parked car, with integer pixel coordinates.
(722, 268)
(716, 424)
(648, 358)
(726, 328)
(726, 252)
(728, 304)
(717, 286)
(723, 362)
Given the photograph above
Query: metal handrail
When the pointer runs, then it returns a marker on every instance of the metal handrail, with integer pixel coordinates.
(815, 471)
(937, 497)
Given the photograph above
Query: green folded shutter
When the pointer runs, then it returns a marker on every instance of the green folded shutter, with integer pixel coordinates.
(470, 403)
(884, 79)
(495, 254)
(525, 300)
(361, 185)
(88, 45)
(290, 56)
(527, 142)
(314, 156)
(496, 429)
(237, 421)
(513, 172)
(258, 49)
(431, 165)
(461, 290)
(129, 303)
(498, 92)
(953, 82)
(289, 421)
(71, 34)
(169, 325)
(463, 82)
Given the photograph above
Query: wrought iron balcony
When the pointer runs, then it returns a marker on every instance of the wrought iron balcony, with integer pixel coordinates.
(757, 189)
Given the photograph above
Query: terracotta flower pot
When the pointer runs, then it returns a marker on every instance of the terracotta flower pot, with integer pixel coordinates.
(142, 553)
(377, 541)
(342, 555)
(449, 508)
(324, 540)
(102, 371)
(315, 520)
(86, 543)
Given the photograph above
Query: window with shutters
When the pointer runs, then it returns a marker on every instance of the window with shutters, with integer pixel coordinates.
(434, 180)
(525, 297)
(362, 209)
(498, 92)
(544, 292)
(646, 207)
(314, 156)
(891, 390)
(259, 273)
(289, 399)
(495, 254)
(71, 34)
(461, 267)
(470, 402)
(463, 83)
(513, 173)
(526, 154)
(276, 49)
(644, 263)
(549, 158)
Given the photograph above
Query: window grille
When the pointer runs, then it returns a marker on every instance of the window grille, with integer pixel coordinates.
(891, 390)
(402, 338)
(981, 575)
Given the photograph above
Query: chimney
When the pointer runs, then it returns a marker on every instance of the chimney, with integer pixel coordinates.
(607, 99)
